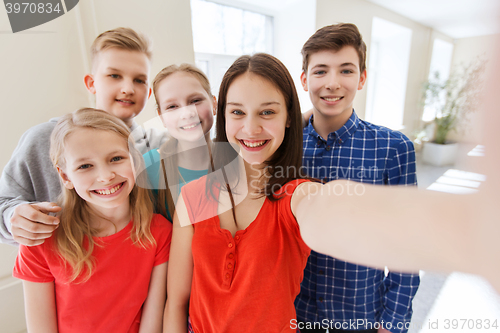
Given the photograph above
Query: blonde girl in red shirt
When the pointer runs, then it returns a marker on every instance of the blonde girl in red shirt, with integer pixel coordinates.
(104, 268)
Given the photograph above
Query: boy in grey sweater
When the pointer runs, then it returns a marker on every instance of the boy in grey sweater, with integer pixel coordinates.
(30, 185)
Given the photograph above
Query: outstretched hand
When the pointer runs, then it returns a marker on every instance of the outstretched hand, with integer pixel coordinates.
(32, 224)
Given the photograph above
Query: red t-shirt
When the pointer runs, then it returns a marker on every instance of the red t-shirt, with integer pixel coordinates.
(111, 300)
(247, 283)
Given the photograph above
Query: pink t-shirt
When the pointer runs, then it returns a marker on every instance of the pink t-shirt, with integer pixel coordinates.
(246, 283)
(111, 300)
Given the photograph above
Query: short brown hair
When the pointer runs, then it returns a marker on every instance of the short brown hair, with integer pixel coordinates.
(334, 37)
(121, 38)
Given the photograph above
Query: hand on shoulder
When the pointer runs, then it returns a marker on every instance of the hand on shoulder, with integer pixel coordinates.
(32, 224)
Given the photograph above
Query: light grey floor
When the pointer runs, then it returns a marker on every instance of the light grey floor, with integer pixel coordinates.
(456, 302)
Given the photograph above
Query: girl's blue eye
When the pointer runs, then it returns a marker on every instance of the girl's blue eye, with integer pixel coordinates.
(346, 71)
(268, 112)
(196, 100)
(84, 166)
(170, 107)
(140, 81)
(117, 158)
(320, 72)
(115, 76)
(237, 112)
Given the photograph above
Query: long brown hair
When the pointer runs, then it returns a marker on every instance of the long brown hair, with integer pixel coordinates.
(289, 153)
(76, 214)
(169, 171)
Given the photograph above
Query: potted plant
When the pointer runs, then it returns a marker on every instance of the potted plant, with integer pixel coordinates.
(453, 101)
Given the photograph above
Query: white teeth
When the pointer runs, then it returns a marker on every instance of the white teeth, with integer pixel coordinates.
(191, 126)
(254, 144)
(331, 99)
(129, 102)
(109, 191)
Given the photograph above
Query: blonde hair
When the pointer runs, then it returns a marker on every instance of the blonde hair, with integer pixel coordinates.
(121, 38)
(75, 215)
(169, 148)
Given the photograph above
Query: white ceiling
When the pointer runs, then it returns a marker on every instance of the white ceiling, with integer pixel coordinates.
(454, 18)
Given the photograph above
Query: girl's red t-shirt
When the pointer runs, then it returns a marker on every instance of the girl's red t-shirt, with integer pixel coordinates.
(111, 300)
(245, 283)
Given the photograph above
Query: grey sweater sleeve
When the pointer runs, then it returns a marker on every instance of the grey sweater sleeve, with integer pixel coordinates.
(28, 177)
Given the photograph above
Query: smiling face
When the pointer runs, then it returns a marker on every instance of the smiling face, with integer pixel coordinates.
(332, 80)
(256, 117)
(120, 82)
(185, 107)
(98, 167)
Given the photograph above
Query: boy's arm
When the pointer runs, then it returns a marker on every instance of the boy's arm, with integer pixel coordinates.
(31, 224)
(417, 230)
(397, 301)
(401, 167)
(22, 222)
(152, 313)
(180, 274)
(306, 116)
(29, 177)
(40, 304)
(400, 288)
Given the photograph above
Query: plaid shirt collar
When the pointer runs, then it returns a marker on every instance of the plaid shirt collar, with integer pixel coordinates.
(342, 134)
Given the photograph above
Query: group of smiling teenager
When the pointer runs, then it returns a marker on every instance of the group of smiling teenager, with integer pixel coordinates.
(94, 251)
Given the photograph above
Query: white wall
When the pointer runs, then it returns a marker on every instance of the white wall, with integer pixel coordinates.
(42, 77)
(468, 50)
(42, 71)
(361, 13)
(293, 27)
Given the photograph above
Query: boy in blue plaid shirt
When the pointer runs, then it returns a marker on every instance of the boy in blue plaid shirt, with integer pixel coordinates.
(334, 294)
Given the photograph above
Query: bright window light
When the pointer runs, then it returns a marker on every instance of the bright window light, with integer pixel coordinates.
(451, 189)
(465, 175)
(440, 63)
(477, 151)
(222, 33)
(458, 182)
(388, 73)
(220, 29)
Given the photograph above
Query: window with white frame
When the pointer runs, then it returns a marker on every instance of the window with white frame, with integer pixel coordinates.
(440, 68)
(388, 73)
(223, 33)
